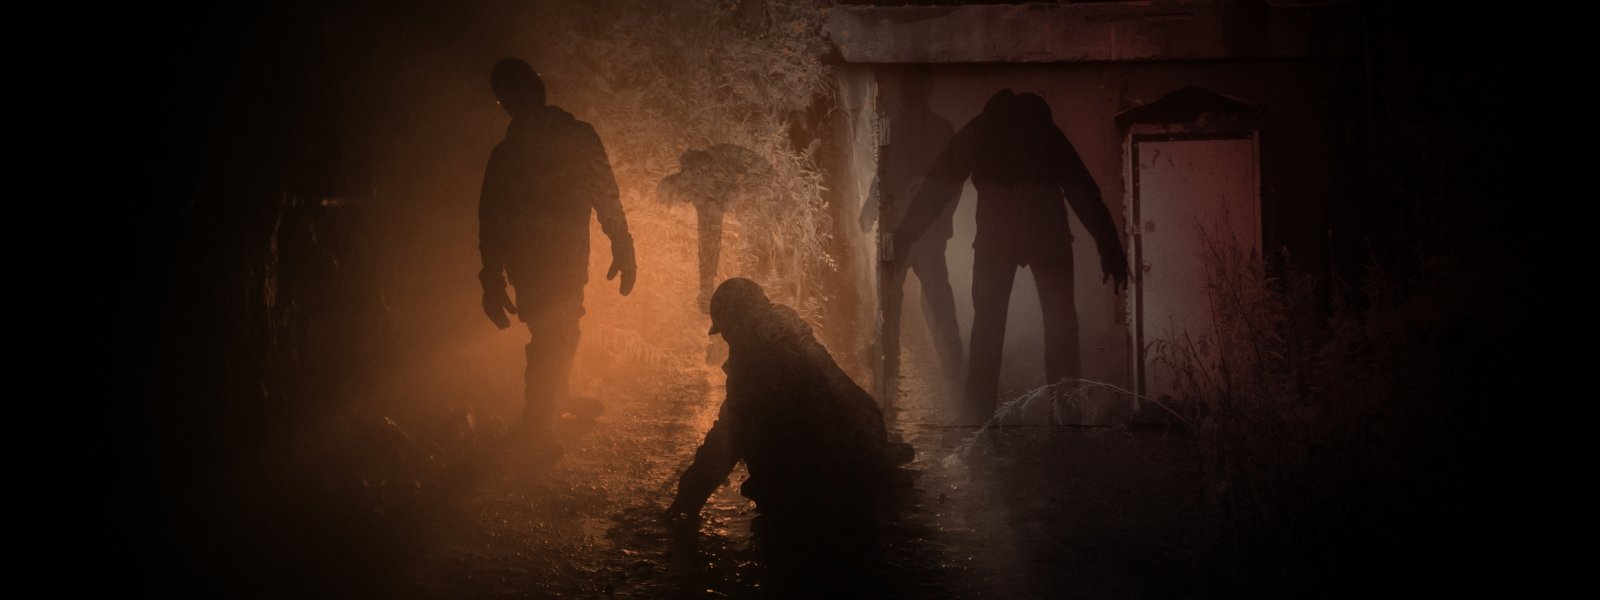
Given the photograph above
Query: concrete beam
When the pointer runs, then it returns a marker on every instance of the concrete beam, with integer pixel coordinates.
(1094, 32)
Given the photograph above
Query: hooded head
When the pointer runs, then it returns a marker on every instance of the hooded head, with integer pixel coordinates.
(1018, 112)
(736, 306)
(518, 86)
(1031, 108)
(999, 104)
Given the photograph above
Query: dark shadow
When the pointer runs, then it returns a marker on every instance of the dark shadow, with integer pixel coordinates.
(1022, 166)
(847, 550)
(714, 180)
(918, 135)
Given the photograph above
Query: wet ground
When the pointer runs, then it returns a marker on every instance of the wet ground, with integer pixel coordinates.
(1030, 512)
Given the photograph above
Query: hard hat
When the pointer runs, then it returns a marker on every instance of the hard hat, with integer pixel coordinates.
(735, 297)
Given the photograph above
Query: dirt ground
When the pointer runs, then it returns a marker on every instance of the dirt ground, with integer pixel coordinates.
(1028, 512)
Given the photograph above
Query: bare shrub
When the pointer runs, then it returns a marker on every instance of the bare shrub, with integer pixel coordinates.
(1315, 425)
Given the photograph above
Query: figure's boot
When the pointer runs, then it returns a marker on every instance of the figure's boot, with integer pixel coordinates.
(539, 408)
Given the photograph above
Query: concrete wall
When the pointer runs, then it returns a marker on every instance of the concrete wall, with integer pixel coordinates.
(1308, 131)
(849, 159)
(1091, 61)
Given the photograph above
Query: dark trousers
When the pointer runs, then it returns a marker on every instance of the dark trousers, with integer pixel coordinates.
(992, 277)
(938, 304)
(552, 320)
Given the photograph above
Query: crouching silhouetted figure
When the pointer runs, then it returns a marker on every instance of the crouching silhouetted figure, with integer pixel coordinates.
(814, 442)
(542, 181)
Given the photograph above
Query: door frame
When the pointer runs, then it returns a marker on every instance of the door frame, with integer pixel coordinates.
(1226, 129)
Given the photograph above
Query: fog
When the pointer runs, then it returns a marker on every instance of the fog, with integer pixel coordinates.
(280, 380)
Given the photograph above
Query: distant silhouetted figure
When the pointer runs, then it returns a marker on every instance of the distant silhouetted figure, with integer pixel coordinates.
(714, 180)
(1022, 165)
(814, 442)
(542, 182)
(917, 136)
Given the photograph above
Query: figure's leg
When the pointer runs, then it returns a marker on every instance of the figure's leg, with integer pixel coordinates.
(553, 325)
(893, 297)
(939, 306)
(991, 297)
(1054, 279)
(709, 215)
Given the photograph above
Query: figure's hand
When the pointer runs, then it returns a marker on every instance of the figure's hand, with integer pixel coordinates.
(622, 263)
(1114, 266)
(496, 304)
(900, 262)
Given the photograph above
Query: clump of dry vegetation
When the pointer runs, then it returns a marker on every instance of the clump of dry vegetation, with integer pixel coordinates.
(1325, 431)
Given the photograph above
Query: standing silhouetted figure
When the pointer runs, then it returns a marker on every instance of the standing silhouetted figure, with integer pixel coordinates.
(542, 182)
(814, 442)
(917, 136)
(714, 180)
(1022, 165)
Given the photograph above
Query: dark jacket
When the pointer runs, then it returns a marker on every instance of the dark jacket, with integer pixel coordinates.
(806, 432)
(533, 217)
(1022, 166)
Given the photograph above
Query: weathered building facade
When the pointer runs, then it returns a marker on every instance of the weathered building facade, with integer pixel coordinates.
(1203, 123)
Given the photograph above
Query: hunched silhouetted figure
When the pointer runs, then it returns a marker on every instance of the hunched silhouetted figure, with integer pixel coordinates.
(1022, 165)
(542, 181)
(814, 442)
(714, 180)
(917, 136)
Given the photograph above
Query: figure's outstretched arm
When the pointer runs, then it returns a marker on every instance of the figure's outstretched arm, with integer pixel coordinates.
(712, 464)
(1083, 195)
(608, 208)
(940, 188)
(869, 207)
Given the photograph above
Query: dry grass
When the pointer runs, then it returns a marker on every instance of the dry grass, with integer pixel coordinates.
(1319, 430)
